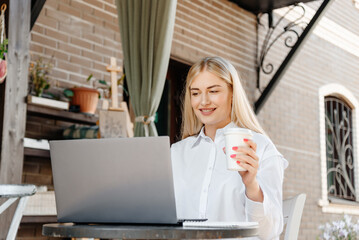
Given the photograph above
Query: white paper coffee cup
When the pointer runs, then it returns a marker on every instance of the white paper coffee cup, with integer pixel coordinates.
(234, 138)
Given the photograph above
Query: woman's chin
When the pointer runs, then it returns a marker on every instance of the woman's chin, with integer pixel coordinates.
(215, 122)
(207, 119)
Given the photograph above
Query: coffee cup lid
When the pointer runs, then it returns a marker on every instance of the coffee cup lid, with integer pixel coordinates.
(238, 130)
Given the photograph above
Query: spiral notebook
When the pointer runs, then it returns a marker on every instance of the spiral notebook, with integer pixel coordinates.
(211, 224)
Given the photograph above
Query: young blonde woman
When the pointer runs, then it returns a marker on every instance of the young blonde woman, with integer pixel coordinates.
(215, 101)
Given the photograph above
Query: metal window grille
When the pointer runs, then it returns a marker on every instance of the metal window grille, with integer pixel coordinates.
(339, 149)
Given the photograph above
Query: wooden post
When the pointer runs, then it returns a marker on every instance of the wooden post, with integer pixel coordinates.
(12, 146)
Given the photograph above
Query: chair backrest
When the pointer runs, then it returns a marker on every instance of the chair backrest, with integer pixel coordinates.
(13, 192)
(292, 213)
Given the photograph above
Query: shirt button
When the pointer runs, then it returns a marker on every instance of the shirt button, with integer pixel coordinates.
(205, 190)
(210, 168)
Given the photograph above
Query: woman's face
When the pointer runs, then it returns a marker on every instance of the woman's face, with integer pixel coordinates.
(211, 100)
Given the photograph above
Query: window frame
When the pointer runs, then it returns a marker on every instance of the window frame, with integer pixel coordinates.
(327, 204)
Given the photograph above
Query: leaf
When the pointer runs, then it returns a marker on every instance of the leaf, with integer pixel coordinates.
(103, 82)
(124, 89)
(89, 77)
(50, 95)
(68, 93)
(120, 80)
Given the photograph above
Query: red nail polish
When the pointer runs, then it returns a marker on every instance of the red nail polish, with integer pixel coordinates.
(245, 139)
(235, 148)
(238, 162)
(233, 155)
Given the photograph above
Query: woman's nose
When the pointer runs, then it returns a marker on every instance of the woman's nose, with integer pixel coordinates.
(205, 100)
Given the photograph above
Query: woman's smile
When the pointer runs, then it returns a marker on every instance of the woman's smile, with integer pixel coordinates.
(207, 111)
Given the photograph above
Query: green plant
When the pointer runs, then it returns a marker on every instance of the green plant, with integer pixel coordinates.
(3, 48)
(106, 86)
(39, 76)
(68, 93)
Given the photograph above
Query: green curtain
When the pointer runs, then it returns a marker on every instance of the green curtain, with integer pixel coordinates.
(146, 28)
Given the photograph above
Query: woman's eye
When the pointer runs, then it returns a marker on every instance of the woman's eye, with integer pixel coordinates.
(213, 91)
(194, 94)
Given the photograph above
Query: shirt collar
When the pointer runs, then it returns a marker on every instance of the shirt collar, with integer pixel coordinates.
(220, 132)
(199, 137)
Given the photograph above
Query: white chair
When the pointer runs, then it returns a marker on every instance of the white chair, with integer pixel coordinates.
(13, 192)
(292, 213)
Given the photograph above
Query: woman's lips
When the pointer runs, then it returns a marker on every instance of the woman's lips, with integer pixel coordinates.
(207, 111)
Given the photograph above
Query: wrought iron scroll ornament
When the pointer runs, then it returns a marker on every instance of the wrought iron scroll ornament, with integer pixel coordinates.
(340, 162)
(270, 38)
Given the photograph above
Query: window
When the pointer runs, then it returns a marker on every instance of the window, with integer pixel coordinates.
(339, 149)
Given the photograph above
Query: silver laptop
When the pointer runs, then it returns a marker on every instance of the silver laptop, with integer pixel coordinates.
(122, 180)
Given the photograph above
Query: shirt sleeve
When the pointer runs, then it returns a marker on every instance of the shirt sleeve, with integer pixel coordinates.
(270, 175)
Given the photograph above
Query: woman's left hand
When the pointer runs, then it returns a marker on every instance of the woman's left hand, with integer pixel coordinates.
(247, 158)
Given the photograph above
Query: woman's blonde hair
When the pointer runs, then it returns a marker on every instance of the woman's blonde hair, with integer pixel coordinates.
(242, 113)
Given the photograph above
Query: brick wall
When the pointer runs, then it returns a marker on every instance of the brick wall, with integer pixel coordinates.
(81, 36)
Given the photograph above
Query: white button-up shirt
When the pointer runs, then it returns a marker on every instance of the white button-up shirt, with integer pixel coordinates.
(204, 188)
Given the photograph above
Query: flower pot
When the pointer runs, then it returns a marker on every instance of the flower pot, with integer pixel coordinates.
(3, 70)
(86, 98)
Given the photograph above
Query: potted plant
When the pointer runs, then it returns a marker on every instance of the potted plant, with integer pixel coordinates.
(39, 77)
(39, 74)
(86, 98)
(3, 63)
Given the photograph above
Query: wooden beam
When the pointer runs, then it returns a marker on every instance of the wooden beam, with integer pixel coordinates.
(12, 150)
(14, 119)
(56, 114)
